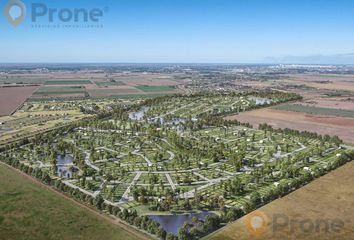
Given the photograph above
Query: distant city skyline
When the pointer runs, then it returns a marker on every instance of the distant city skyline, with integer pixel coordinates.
(187, 31)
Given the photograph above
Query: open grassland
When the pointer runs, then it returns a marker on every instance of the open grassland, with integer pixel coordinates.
(315, 110)
(329, 197)
(68, 82)
(31, 211)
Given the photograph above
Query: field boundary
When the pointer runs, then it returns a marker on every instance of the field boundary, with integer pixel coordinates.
(102, 215)
(315, 110)
(272, 202)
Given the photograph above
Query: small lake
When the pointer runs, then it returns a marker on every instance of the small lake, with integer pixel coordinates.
(64, 164)
(138, 115)
(261, 101)
(6, 129)
(171, 223)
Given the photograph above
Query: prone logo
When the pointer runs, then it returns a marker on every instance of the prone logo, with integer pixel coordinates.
(65, 14)
(256, 223)
(15, 12)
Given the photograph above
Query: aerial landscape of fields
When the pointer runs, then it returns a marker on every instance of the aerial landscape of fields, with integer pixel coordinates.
(176, 120)
(180, 165)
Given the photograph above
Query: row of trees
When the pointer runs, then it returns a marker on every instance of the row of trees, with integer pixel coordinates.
(256, 199)
(305, 134)
(98, 202)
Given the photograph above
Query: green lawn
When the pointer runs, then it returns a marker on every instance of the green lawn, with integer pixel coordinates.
(67, 82)
(29, 211)
(156, 88)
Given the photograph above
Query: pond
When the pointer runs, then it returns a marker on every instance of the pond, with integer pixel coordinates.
(138, 115)
(261, 101)
(171, 223)
(6, 129)
(65, 166)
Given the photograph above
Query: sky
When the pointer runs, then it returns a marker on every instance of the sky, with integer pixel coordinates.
(186, 31)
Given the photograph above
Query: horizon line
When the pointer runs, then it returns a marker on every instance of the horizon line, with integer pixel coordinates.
(184, 63)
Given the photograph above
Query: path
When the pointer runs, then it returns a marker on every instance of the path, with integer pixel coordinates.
(173, 186)
(125, 196)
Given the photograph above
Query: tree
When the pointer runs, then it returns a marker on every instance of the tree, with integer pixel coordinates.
(54, 162)
(99, 202)
(170, 236)
(255, 199)
(183, 233)
(161, 233)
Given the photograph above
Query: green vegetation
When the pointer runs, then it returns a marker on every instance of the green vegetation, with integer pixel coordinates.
(139, 96)
(156, 88)
(108, 84)
(19, 80)
(60, 90)
(315, 110)
(176, 154)
(67, 82)
(28, 211)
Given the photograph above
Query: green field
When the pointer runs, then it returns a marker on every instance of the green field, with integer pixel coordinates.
(137, 96)
(21, 80)
(315, 110)
(107, 84)
(60, 90)
(156, 88)
(28, 211)
(67, 82)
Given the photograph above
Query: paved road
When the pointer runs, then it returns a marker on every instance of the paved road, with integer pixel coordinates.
(173, 186)
(69, 183)
(201, 176)
(88, 161)
(190, 194)
(135, 152)
(125, 196)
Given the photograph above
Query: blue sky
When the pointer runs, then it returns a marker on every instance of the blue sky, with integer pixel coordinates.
(216, 31)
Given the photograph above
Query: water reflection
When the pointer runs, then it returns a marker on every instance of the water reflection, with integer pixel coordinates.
(65, 166)
(171, 223)
(138, 115)
(6, 129)
(261, 101)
